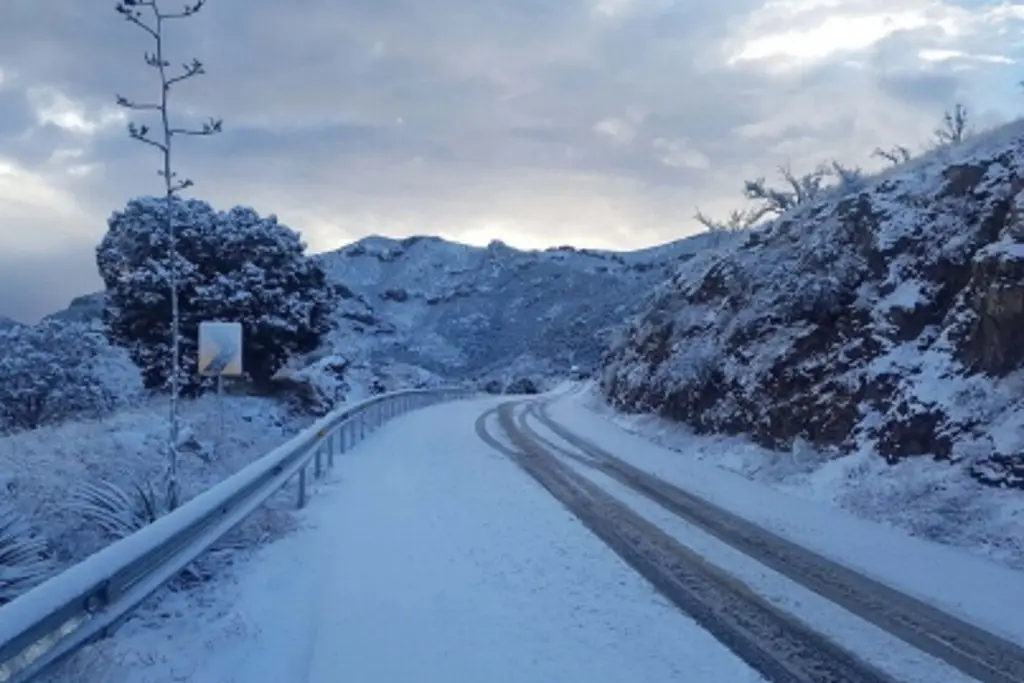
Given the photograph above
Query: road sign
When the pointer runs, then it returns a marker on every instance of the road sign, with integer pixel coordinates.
(220, 349)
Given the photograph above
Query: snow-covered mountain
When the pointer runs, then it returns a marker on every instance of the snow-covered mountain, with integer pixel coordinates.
(463, 312)
(888, 319)
(422, 310)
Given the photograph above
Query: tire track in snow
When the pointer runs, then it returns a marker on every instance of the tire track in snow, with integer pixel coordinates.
(977, 653)
(776, 644)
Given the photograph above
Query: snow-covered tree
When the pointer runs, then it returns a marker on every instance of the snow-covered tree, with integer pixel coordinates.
(233, 266)
(53, 371)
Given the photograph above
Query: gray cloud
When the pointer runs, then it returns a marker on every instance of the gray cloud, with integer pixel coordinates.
(598, 121)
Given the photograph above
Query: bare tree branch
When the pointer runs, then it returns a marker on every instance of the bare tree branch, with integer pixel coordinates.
(188, 11)
(128, 104)
(897, 155)
(155, 62)
(140, 132)
(954, 126)
(188, 71)
(738, 220)
(181, 185)
(211, 127)
(127, 10)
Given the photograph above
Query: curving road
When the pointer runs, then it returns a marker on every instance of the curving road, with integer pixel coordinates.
(776, 644)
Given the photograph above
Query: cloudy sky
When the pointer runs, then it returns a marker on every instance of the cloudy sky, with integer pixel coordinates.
(539, 122)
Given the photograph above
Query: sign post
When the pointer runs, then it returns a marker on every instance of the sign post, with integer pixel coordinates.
(220, 356)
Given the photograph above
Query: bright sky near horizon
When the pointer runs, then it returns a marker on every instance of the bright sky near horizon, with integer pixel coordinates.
(600, 123)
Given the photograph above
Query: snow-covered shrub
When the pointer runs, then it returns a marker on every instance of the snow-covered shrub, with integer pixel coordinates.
(116, 512)
(24, 560)
(233, 266)
(53, 371)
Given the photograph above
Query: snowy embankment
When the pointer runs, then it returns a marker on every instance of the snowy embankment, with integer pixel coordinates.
(427, 556)
(921, 497)
(41, 471)
(974, 588)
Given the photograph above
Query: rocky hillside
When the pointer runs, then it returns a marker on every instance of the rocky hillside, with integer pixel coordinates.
(891, 319)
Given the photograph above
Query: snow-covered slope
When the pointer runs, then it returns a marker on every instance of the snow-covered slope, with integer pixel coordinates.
(463, 312)
(45, 474)
(887, 320)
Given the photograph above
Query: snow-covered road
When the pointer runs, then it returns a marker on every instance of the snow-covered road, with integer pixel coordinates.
(431, 556)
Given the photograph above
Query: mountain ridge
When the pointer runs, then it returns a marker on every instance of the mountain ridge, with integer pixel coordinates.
(446, 311)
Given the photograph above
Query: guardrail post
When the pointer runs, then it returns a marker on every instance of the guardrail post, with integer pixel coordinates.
(331, 438)
(302, 487)
(362, 426)
(318, 459)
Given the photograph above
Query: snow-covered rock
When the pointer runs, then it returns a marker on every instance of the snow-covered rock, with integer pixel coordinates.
(887, 319)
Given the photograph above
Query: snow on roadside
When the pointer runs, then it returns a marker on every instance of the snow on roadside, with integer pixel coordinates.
(931, 500)
(429, 557)
(972, 587)
(41, 468)
(209, 633)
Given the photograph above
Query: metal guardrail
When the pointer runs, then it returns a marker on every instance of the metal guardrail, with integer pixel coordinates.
(90, 599)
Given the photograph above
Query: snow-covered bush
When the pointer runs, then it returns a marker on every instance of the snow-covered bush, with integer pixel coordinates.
(53, 371)
(116, 512)
(316, 388)
(233, 266)
(24, 561)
